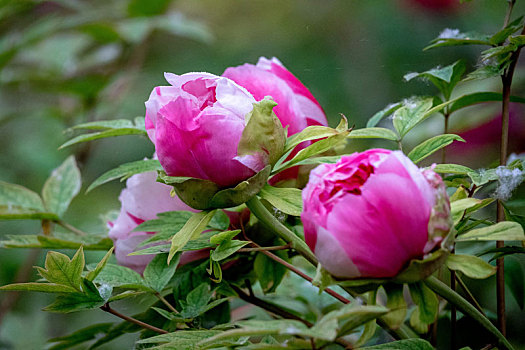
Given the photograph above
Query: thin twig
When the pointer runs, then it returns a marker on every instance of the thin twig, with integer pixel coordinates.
(293, 268)
(144, 325)
(470, 296)
(71, 228)
(258, 249)
(165, 302)
(252, 299)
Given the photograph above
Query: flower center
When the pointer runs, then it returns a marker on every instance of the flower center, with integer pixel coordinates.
(205, 95)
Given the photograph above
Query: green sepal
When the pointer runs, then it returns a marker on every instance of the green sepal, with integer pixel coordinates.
(264, 134)
(203, 194)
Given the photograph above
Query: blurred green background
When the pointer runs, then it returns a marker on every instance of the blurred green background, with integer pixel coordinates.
(66, 62)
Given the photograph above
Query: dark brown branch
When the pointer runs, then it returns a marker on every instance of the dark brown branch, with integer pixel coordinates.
(506, 79)
(144, 325)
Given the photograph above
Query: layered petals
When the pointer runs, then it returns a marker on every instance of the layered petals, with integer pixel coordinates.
(372, 212)
(196, 125)
(141, 200)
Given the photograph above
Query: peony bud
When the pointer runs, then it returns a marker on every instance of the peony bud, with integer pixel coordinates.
(198, 127)
(371, 213)
(142, 199)
(296, 106)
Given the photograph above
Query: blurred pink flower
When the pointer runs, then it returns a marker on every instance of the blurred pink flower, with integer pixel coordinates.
(142, 199)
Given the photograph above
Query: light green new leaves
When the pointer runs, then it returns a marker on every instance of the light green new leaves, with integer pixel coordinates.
(119, 276)
(191, 230)
(470, 265)
(109, 128)
(60, 269)
(59, 241)
(181, 339)
(376, 118)
(502, 231)
(329, 327)
(287, 200)
(453, 37)
(373, 133)
(263, 134)
(226, 249)
(341, 132)
(124, 171)
(410, 114)
(102, 263)
(17, 202)
(396, 303)
(38, 287)
(60, 188)
(432, 145)
(444, 78)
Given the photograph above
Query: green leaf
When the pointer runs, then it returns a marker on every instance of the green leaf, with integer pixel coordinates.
(444, 78)
(396, 303)
(125, 171)
(470, 265)
(102, 263)
(457, 208)
(224, 236)
(453, 37)
(64, 241)
(427, 306)
(504, 251)
(158, 273)
(452, 169)
(196, 300)
(166, 225)
(17, 202)
(514, 279)
(83, 335)
(410, 114)
(104, 134)
(312, 150)
(426, 148)
(407, 344)
(320, 160)
(60, 269)
(376, 118)
(105, 125)
(181, 339)
(310, 133)
(119, 276)
(269, 272)
(373, 133)
(264, 134)
(220, 221)
(347, 318)
(479, 97)
(510, 29)
(287, 200)
(502, 231)
(73, 302)
(38, 287)
(191, 230)
(226, 249)
(60, 188)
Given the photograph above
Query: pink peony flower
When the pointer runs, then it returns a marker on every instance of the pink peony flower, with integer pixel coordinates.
(370, 213)
(142, 199)
(196, 125)
(296, 106)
